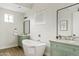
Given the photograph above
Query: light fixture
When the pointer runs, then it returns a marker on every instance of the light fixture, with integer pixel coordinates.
(19, 7)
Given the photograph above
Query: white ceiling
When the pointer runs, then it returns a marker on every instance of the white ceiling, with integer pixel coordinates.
(15, 7)
(28, 5)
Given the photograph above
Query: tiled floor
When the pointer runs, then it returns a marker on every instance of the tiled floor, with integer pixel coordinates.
(15, 51)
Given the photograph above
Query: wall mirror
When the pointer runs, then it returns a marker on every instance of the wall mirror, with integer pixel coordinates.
(68, 20)
(26, 27)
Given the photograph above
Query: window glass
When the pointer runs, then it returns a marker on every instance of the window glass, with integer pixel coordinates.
(11, 18)
(8, 18)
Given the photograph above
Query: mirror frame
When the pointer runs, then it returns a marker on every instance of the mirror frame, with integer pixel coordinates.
(24, 27)
(57, 16)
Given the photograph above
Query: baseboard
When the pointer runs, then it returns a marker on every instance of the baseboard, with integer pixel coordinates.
(8, 46)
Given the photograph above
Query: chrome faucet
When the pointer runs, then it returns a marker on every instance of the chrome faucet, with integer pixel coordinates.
(73, 36)
(59, 37)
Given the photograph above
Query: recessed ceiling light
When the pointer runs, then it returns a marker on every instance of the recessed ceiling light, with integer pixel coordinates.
(19, 7)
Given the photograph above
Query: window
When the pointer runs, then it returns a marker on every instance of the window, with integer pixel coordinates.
(8, 18)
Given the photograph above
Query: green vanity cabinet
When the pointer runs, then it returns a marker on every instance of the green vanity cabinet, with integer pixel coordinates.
(22, 37)
(63, 49)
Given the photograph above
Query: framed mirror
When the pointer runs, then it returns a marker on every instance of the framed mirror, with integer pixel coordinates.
(26, 27)
(67, 20)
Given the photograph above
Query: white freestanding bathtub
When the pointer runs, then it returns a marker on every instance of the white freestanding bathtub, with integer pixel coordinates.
(33, 48)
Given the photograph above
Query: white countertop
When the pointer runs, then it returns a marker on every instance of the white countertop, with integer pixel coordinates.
(72, 42)
(24, 35)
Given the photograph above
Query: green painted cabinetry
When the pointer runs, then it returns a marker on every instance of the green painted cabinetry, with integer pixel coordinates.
(22, 37)
(63, 49)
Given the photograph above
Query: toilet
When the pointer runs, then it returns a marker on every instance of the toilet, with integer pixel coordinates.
(33, 48)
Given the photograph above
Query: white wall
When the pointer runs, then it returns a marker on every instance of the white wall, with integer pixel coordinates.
(48, 29)
(7, 37)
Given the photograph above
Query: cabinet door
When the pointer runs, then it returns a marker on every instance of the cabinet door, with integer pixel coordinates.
(20, 38)
(59, 49)
(76, 50)
(56, 50)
